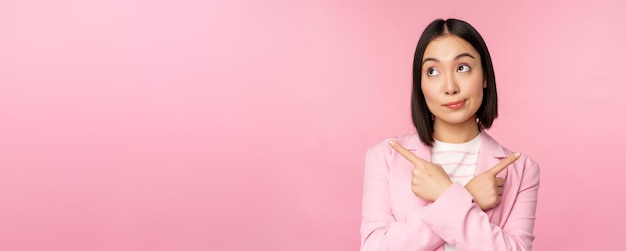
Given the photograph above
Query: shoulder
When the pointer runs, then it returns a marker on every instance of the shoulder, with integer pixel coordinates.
(524, 160)
(381, 158)
(409, 141)
(382, 152)
(525, 163)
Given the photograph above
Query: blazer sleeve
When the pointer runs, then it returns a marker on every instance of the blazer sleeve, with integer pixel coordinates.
(464, 225)
(379, 229)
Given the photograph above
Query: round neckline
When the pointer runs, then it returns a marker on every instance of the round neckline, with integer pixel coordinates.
(475, 139)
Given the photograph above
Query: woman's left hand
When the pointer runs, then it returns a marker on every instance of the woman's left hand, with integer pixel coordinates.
(486, 188)
(429, 180)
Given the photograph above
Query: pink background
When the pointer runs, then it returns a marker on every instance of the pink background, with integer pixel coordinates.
(243, 125)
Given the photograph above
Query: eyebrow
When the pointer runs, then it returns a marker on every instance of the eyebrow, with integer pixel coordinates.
(465, 54)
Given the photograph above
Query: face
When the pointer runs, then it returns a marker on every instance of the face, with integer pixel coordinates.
(452, 80)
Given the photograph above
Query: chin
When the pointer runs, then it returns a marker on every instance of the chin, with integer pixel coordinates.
(457, 119)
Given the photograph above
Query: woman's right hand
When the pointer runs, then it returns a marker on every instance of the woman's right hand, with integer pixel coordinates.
(429, 180)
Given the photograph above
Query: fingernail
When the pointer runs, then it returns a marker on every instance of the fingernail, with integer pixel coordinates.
(517, 155)
(391, 142)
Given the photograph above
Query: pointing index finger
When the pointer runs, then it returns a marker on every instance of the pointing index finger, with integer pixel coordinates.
(504, 163)
(405, 153)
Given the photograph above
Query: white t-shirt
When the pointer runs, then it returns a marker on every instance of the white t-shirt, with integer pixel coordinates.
(458, 160)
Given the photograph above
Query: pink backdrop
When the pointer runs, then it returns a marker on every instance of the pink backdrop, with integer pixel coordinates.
(242, 125)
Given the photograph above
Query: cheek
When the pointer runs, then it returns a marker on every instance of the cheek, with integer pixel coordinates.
(429, 93)
(475, 86)
(429, 88)
(479, 98)
(477, 93)
(431, 97)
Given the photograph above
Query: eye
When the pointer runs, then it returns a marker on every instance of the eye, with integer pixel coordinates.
(432, 72)
(463, 68)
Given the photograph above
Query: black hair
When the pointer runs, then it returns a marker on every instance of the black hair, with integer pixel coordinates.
(422, 117)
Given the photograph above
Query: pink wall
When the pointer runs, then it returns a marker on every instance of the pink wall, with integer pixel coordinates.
(240, 125)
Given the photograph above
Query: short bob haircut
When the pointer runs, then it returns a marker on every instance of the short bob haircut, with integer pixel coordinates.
(423, 119)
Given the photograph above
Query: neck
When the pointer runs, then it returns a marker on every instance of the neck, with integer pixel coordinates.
(455, 133)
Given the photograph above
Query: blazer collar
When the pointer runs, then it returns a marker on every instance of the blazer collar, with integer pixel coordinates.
(490, 153)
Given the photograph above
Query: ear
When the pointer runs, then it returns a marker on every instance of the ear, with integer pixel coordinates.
(484, 84)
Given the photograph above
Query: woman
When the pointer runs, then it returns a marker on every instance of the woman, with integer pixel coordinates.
(450, 186)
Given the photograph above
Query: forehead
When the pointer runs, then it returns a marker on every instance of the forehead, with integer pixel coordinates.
(447, 47)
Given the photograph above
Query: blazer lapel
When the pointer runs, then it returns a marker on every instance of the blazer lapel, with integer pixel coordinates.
(420, 150)
(489, 155)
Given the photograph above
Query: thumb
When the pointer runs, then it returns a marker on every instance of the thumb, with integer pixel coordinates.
(504, 163)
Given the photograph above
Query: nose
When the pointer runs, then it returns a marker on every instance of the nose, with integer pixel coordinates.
(450, 87)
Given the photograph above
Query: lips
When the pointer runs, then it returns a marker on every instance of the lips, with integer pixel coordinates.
(455, 105)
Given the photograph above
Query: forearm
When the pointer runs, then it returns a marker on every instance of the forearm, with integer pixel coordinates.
(380, 228)
(387, 234)
(463, 224)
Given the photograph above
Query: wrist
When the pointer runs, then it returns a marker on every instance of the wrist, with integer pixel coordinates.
(445, 188)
